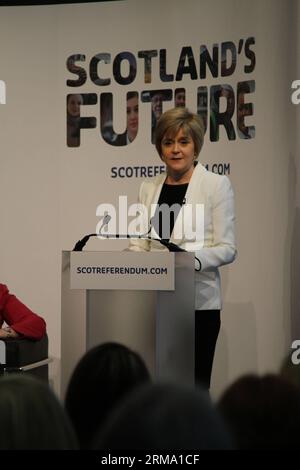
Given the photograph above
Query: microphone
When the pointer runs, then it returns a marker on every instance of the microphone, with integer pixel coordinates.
(105, 221)
(81, 243)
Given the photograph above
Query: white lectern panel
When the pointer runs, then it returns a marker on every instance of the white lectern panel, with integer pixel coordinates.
(159, 324)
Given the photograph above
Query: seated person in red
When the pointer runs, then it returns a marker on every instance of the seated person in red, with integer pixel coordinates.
(20, 319)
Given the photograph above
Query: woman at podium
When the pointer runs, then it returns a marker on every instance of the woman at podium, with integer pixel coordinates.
(187, 185)
(20, 320)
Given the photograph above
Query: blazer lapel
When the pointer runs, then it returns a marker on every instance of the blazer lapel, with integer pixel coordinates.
(189, 199)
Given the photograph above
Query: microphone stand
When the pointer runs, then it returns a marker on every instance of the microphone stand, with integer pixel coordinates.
(171, 246)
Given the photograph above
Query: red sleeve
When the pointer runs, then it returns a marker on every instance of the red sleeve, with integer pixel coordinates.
(20, 317)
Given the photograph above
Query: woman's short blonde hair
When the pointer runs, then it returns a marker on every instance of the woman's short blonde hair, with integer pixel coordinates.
(178, 118)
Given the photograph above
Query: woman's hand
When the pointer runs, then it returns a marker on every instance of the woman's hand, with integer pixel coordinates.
(8, 332)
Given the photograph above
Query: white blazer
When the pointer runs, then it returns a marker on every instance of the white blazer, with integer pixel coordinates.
(213, 244)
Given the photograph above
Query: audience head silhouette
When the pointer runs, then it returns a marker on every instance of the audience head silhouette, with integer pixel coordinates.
(263, 412)
(101, 379)
(32, 417)
(290, 370)
(165, 417)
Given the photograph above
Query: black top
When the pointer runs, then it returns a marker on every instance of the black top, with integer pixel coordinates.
(170, 201)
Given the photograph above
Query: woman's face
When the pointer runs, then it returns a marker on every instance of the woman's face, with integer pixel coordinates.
(178, 153)
(157, 101)
(73, 106)
(180, 99)
(132, 117)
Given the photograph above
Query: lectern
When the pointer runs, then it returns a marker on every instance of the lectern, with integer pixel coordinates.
(144, 300)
